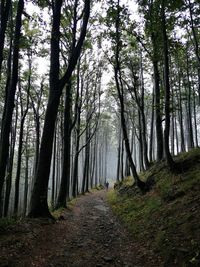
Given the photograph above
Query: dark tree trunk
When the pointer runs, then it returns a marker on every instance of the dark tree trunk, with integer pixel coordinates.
(13, 132)
(118, 157)
(118, 82)
(9, 106)
(122, 160)
(39, 206)
(189, 109)
(143, 120)
(21, 136)
(195, 118)
(159, 131)
(4, 14)
(196, 44)
(53, 191)
(75, 172)
(169, 158)
(10, 166)
(180, 112)
(141, 161)
(36, 110)
(26, 174)
(152, 130)
(63, 195)
(19, 159)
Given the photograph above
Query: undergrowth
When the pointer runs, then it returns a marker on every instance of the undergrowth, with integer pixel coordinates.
(166, 218)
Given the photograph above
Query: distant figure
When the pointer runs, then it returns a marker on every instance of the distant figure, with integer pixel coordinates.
(107, 185)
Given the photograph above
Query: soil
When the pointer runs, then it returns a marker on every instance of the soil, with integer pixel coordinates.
(89, 235)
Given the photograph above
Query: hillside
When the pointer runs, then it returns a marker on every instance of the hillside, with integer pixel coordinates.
(166, 220)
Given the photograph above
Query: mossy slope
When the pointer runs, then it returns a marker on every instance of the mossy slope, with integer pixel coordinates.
(167, 219)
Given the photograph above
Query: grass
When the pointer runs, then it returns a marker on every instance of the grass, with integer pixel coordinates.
(58, 213)
(168, 217)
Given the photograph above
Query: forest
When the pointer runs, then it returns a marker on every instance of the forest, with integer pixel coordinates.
(86, 83)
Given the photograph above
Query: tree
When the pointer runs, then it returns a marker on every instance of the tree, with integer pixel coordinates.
(38, 205)
(169, 158)
(119, 86)
(9, 101)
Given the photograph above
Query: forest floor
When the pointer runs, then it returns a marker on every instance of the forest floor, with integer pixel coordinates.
(87, 235)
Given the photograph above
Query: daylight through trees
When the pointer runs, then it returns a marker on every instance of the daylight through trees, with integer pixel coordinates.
(93, 91)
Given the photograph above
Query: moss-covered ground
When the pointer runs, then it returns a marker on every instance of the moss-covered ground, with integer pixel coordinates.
(166, 219)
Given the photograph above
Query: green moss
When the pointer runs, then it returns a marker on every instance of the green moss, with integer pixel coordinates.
(57, 213)
(168, 216)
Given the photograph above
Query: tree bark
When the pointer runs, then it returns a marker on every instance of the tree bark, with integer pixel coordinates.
(169, 158)
(4, 14)
(117, 75)
(9, 105)
(39, 206)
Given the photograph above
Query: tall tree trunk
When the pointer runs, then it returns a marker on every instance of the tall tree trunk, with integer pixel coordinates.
(53, 185)
(21, 136)
(143, 120)
(169, 158)
(189, 109)
(39, 206)
(75, 171)
(9, 105)
(152, 129)
(65, 177)
(159, 130)
(10, 166)
(13, 131)
(26, 173)
(141, 153)
(5, 7)
(118, 156)
(196, 44)
(122, 159)
(118, 82)
(19, 159)
(195, 118)
(180, 112)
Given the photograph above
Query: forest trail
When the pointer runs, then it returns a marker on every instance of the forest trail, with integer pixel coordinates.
(89, 235)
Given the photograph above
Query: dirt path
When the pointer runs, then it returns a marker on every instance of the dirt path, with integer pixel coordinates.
(89, 236)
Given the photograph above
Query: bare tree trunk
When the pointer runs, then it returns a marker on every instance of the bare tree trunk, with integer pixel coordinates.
(159, 131)
(118, 157)
(169, 158)
(152, 130)
(26, 172)
(39, 206)
(196, 44)
(5, 7)
(9, 105)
